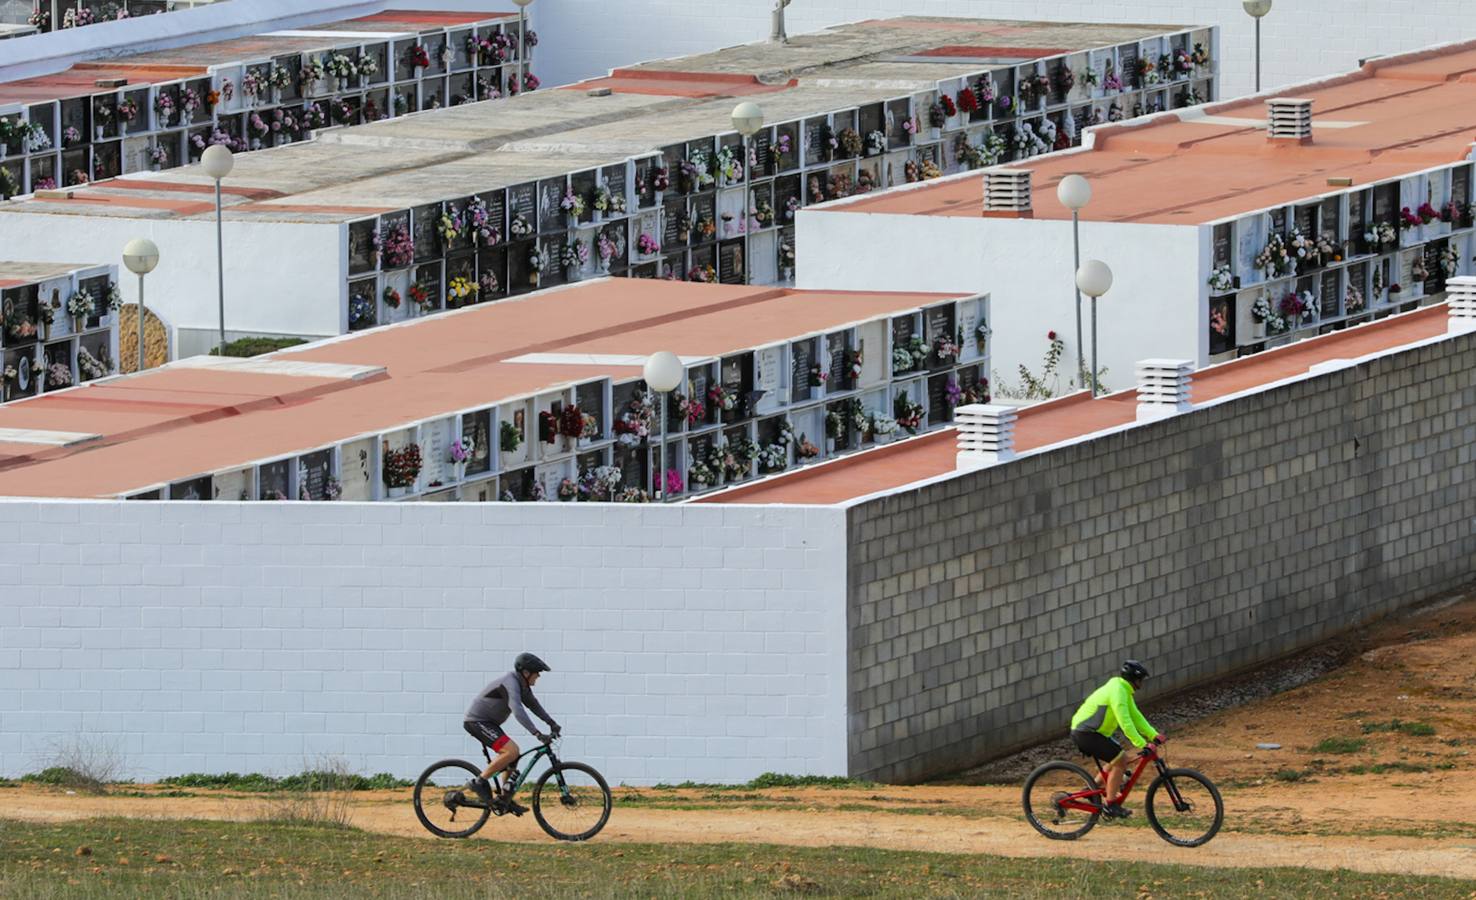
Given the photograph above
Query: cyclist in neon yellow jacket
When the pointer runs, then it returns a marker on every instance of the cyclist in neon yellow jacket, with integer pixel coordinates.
(1109, 708)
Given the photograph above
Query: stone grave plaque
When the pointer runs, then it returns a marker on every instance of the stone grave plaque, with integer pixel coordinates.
(631, 461)
(496, 203)
(1222, 323)
(1307, 220)
(583, 185)
(551, 217)
(939, 411)
(903, 329)
(837, 346)
(97, 286)
(645, 193)
(517, 486)
(768, 370)
(231, 485)
(553, 270)
(271, 481)
(731, 376)
(760, 153)
(674, 265)
(1356, 220)
(435, 440)
(478, 427)
(1278, 221)
(1127, 63)
(872, 117)
(816, 141)
(1221, 239)
(1327, 217)
(522, 200)
(672, 156)
(698, 382)
(675, 226)
(427, 241)
(1460, 185)
(615, 233)
(786, 188)
(356, 464)
(591, 400)
(802, 358)
(1435, 282)
(705, 256)
(704, 209)
(1330, 296)
(361, 246)
(842, 436)
(785, 153)
(896, 116)
(313, 471)
(192, 489)
(492, 275)
(731, 262)
(1386, 202)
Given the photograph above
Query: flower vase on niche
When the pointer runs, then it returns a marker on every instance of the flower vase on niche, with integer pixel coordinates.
(78, 323)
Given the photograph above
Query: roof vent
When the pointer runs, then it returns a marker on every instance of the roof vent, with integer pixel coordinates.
(1007, 192)
(986, 435)
(1461, 292)
(1163, 387)
(1289, 119)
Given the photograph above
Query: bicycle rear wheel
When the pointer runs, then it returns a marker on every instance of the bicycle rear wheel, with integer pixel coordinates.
(571, 802)
(443, 792)
(1044, 790)
(1184, 807)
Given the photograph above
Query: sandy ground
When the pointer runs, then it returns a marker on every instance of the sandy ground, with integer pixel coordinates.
(1316, 813)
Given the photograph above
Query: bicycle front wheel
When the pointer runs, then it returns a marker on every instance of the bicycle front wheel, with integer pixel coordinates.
(1049, 788)
(1184, 807)
(571, 802)
(443, 793)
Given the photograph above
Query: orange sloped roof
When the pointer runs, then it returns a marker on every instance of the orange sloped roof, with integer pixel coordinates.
(1389, 119)
(174, 423)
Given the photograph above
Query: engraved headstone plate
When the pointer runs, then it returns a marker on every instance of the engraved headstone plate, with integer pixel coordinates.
(802, 359)
(477, 427)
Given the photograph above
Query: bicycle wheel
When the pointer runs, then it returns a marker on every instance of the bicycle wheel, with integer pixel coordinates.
(1184, 807)
(1044, 790)
(576, 805)
(443, 792)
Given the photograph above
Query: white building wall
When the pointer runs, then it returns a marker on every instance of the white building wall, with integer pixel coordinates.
(695, 642)
(1025, 266)
(279, 277)
(1301, 39)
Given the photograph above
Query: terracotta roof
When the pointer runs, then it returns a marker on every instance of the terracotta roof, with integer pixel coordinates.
(173, 423)
(1392, 117)
(932, 455)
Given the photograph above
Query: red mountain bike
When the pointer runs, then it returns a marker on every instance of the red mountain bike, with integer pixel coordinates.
(1063, 802)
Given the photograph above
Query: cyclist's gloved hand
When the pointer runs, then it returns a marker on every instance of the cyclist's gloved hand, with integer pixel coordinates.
(555, 732)
(1158, 739)
(542, 738)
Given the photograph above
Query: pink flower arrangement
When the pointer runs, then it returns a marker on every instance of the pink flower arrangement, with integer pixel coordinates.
(647, 245)
(71, 136)
(1408, 219)
(1427, 213)
(673, 481)
(397, 247)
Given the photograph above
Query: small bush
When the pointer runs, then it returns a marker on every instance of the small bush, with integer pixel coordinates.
(776, 780)
(1414, 729)
(303, 781)
(1290, 775)
(79, 764)
(1339, 745)
(256, 346)
(320, 796)
(1385, 768)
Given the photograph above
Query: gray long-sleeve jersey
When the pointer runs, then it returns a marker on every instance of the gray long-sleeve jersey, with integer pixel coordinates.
(507, 696)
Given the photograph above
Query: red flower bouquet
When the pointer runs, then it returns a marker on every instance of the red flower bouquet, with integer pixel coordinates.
(967, 101)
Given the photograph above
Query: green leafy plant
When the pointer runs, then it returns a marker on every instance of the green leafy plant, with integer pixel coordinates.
(1339, 745)
(256, 346)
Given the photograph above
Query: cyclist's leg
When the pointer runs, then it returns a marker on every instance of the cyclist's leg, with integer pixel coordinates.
(1116, 772)
(1108, 754)
(492, 736)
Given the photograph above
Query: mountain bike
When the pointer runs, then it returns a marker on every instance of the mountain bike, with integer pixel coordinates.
(1063, 802)
(571, 801)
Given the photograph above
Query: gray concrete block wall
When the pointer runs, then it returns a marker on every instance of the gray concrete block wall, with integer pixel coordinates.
(982, 609)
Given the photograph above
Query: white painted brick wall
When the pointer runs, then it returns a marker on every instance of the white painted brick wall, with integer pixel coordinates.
(701, 642)
(1301, 39)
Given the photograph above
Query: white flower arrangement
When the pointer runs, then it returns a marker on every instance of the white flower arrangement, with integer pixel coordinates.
(876, 142)
(80, 304)
(340, 66)
(1450, 261)
(773, 457)
(1261, 311)
(367, 65)
(36, 138)
(1027, 142)
(882, 423)
(1221, 280)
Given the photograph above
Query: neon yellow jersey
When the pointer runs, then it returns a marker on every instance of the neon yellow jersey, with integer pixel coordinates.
(1111, 706)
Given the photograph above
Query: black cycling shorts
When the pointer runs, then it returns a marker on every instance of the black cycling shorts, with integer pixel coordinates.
(488, 734)
(1096, 745)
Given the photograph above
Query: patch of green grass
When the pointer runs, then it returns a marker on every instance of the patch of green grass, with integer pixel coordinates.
(302, 781)
(771, 780)
(128, 859)
(1339, 745)
(1415, 729)
(256, 346)
(1385, 768)
(1290, 775)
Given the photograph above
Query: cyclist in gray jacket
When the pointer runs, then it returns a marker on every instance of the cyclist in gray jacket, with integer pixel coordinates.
(508, 695)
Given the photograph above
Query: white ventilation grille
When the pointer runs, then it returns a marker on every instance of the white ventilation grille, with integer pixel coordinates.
(1289, 118)
(1461, 292)
(1163, 387)
(1007, 191)
(986, 434)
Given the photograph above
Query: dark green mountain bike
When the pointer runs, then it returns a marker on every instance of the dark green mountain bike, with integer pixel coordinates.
(570, 800)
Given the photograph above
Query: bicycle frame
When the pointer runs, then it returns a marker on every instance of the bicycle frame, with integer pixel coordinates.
(1084, 801)
(532, 756)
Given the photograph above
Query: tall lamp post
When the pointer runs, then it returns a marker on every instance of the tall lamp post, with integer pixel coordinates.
(1094, 279)
(218, 162)
(1257, 10)
(747, 120)
(522, 43)
(140, 256)
(1075, 192)
(663, 372)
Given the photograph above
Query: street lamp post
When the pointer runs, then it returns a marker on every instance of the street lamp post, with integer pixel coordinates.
(747, 120)
(1094, 279)
(522, 43)
(1075, 192)
(140, 256)
(218, 162)
(1257, 10)
(663, 372)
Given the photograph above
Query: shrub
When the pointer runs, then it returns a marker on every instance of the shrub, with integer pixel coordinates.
(256, 346)
(1339, 745)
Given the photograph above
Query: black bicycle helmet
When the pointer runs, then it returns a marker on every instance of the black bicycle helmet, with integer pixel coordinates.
(527, 662)
(1134, 671)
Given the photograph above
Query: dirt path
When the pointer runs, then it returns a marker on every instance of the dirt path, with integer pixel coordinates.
(1367, 753)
